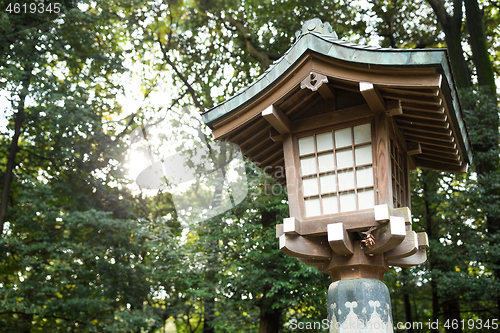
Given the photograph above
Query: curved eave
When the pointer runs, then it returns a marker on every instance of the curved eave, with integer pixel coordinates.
(357, 55)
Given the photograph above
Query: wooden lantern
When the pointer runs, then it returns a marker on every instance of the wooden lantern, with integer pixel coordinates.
(347, 123)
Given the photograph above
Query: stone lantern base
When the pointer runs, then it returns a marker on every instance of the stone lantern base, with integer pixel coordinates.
(359, 305)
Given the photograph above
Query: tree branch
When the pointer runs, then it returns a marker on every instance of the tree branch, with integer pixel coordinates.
(189, 87)
(261, 56)
(441, 13)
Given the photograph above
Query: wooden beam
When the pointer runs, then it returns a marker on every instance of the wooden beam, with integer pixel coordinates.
(383, 160)
(275, 135)
(332, 118)
(269, 150)
(298, 108)
(440, 160)
(442, 156)
(255, 147)
(291, 225)
(403, 212)
(441, 166)
(249, 130)
(408, 247)
(271, 159)
(353, 221)
(279, 230)
(423, 115)
(292, 184)
(394, 108)
(425, 129)
(348, 86)
(422, 122)
(411, 164)
(382, 213)
(445, 137)
(277, 119)
(413, 92)
(388, 237)
(413, 148)
(339, 239)
(326, 93)
(312, 262)
(305, 247)
(432, 142)
(423, 240)
(416, 259)
(452, 151)
(423, 100)
(372, 97)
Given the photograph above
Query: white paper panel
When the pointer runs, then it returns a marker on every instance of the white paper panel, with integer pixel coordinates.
(347, 202)
(330, 205)
(363, 155)
(310, 186)
(312, 207)
(362, 133)
(308, 165)
(326, 162)
(306, 145)
(328, 183)
(366, 199)
(343, 138)
(364, 177)
(346, 180)
(344, 159)
(324, 141)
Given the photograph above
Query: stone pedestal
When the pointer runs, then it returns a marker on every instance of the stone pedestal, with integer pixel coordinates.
(359, 306)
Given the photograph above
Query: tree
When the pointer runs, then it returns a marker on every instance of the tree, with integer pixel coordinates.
(72, 257)
(64, 191)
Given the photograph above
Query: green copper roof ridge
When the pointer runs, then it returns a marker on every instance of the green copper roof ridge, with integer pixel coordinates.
(339, 42)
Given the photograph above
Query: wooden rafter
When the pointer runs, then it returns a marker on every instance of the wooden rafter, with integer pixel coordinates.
(372, 97)
(277, 119)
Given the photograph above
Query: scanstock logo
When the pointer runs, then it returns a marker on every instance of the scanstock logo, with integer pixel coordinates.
(205, 179)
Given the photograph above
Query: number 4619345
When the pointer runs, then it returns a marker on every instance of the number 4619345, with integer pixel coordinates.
(40, 8)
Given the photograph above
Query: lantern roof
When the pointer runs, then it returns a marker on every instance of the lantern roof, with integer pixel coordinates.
(419, 83)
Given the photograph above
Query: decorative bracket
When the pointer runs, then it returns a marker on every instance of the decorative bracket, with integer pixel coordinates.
(389, 236)
(407, 248)
(304, 247)
(340, 240)
(314, 81)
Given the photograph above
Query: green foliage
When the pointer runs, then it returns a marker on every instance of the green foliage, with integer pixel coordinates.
(81, 253)
(405, 24)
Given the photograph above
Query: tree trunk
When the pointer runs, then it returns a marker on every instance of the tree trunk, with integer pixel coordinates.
(435, 304)
(14, 146)
(269, 320)
(452, 27)
(406, 299)
(428, 185)
(453, 37)
(479, 47)
(451, 312)
(220, 162)
(208, 314)
(487, 156)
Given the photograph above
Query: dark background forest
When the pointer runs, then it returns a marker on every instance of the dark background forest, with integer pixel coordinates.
(83, 249)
